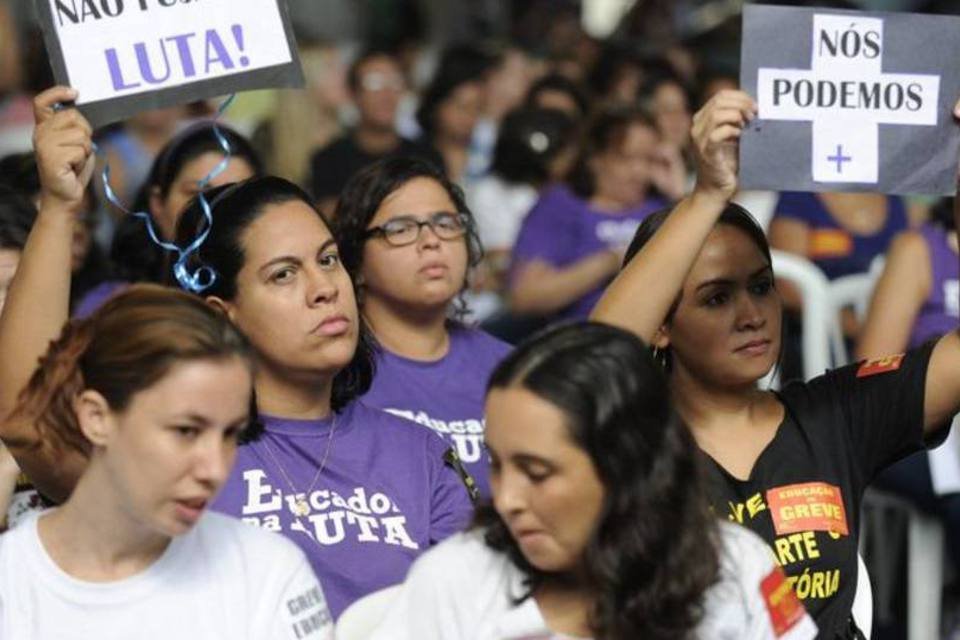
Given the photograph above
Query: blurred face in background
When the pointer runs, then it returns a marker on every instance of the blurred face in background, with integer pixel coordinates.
(380, 86)
(622, 171)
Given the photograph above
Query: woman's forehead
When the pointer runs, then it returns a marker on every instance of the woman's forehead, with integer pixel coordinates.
(728, 253)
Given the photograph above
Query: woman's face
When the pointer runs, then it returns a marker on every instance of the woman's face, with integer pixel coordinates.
(169, 452)
(726, 329)
(294, 299)
(622, 172)
(545, 487)
(672, 113)
(458, 114)
(430, 272)
(166, 211)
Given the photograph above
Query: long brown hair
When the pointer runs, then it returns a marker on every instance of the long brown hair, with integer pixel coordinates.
(128, 345)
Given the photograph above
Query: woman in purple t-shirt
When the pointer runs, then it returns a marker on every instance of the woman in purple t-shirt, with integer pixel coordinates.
(572, 241)
(361, 492)
(915, 301)
(405, 230)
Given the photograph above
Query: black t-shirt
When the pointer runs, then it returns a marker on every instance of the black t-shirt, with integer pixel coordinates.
(804, 493)
(332, 166)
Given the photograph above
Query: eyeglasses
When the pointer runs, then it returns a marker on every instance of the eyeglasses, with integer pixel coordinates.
(405, 230)
(380, 81)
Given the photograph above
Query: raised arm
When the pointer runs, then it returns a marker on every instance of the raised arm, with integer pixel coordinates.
(897, 298)
(942, 389)
(37, 304)
(641, 295)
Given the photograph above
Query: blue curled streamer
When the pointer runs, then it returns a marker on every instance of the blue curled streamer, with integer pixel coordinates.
(204, 276)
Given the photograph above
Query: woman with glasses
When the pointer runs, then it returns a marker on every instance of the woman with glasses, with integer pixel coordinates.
(360, 491)
(405, 231)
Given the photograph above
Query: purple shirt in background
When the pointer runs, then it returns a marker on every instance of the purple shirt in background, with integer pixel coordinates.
(562, 229)
(940, 313)
(95, 298)
(445, 395)
(384, 497)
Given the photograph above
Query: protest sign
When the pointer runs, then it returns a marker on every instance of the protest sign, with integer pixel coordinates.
(850, 101)
(125, 56)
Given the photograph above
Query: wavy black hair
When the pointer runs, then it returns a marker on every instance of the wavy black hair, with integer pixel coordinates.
(235, 207)
(655, 550)
(366, 191)
(135, 255)
(529, 140)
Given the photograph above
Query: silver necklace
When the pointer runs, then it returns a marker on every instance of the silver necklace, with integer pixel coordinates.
(300, 506)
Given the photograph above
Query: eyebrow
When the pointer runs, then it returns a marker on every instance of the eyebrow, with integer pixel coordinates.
(294, 259)
(727, 281)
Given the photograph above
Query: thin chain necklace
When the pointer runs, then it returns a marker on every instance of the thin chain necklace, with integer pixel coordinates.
(301, 507)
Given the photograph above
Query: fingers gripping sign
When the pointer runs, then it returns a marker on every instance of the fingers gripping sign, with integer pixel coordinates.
(64, 147)
(716, 131)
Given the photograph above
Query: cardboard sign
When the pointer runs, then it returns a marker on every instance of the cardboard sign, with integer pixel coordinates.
(126, 56)
(808, 506)
(850, 101)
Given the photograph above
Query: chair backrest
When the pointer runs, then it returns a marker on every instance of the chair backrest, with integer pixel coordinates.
(853, 291)
(359, 620)
(819, 318)
(862, 610)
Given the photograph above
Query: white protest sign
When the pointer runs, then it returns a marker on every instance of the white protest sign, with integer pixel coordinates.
(114, 51)
(846, 83)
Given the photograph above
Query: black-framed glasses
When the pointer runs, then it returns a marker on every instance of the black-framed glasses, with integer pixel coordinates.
(404, 230)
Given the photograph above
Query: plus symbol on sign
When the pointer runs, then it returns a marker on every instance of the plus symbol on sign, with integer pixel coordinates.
(839, 158)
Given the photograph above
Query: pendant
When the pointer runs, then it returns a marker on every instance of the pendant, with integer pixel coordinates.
(301, 508)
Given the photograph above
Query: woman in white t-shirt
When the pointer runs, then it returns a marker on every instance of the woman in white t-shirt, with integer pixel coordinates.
(155, 388)
(154, 391)
(598, 527)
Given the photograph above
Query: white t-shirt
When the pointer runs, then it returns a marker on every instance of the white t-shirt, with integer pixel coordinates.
(221, 580)
(462, 590)
(499, 209)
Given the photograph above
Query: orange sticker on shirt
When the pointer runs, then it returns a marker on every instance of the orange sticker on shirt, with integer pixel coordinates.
(829, 243)
(782, 603)
(879, 365)
(809, 506)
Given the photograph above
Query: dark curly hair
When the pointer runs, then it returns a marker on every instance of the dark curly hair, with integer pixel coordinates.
(135, 255)
(235, 207)
(366, 191)
(655, 550)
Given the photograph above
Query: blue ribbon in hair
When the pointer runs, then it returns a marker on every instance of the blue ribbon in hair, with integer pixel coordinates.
(201, 278)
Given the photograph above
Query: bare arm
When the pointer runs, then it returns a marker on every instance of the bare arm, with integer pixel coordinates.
(641, 295)
(541, 288)
(897, 298)
(37, 304)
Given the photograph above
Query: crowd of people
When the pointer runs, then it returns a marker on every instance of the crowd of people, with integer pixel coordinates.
(492, 344)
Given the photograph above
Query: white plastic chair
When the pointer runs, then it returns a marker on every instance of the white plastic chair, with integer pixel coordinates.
(925, 559)
(819, 319)
(360, 619)
(862, 610)
(852, 291)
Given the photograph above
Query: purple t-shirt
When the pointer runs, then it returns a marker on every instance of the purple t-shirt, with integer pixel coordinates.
(445, 395)
(940, 313)
(562, 229)
(384, 497)
(95, 298)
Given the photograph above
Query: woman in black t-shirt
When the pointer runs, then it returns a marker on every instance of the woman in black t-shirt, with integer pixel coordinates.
(792, 466)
